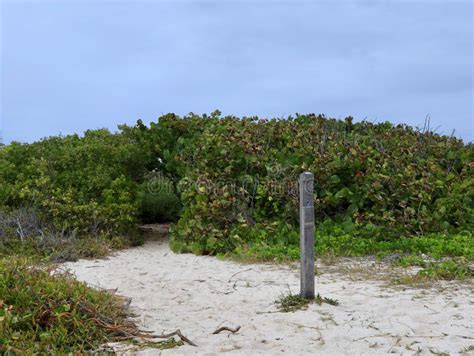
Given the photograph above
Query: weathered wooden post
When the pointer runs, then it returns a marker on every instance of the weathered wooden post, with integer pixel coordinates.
(306, 184)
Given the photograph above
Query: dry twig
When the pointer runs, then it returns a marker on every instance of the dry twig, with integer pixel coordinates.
(226, 328)
(175, 333)
(249, 269)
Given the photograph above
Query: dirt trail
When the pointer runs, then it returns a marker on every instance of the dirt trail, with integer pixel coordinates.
(198, 294)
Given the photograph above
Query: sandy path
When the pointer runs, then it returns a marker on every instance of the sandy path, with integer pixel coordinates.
(197, 294)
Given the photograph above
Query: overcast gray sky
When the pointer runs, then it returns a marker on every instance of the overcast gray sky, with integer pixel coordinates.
(70, 66)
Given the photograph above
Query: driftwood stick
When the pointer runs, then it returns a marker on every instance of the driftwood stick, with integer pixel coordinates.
(226, 328)
(236, 273)
(175, 333)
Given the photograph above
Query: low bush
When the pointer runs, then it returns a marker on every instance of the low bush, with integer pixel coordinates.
(447, 270)
(22, 233)
(434, 269)
(83, 184)
(40, 313)
(45, 310)
(231, 183)
(237, 177)
(334, 240)
(157, 201)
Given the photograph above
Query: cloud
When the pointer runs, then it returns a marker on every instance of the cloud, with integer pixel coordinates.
(67, 67)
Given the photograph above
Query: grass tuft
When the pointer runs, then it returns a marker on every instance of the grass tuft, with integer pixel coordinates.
(320, 300)
(294, 302)
(448, 270)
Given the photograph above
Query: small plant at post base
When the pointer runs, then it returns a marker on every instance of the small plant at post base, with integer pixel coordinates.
(294, 302)
(320, 300)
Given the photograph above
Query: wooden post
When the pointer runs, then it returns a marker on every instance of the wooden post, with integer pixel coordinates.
(306, 183)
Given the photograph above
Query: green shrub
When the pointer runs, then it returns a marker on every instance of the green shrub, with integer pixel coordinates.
(22, 233)
(40, 313)
(158, 202)
(446, 269)
(237, 178)
(85, 184)
(335, 240)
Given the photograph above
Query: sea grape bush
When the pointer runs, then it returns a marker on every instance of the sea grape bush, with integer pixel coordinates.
(236, 178)
(384, 180)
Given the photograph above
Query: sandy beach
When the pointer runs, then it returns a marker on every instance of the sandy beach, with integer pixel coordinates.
(198, 294)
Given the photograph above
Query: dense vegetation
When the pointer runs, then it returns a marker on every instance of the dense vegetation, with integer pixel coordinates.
(236, 180)
(230, 186)
(61, 199)
(50, 314)
(83, 184)
(55, 314)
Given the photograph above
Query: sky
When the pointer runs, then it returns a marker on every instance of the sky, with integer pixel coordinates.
(68, 66)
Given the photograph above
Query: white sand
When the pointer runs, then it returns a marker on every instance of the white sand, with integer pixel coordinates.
(197, 294)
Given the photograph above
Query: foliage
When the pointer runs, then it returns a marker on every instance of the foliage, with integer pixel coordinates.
(97, 184)
(43, 310)
(157, 200)
(42, 313)
(335, 240)
(236, 177)
(294, 302)
(23, 233)
(84, 184)
(383, 185)
(58, 249)
(446, 269)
